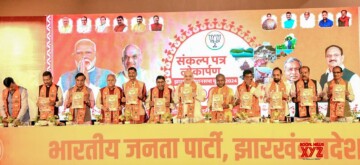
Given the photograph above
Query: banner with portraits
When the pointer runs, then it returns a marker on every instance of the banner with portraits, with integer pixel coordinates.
(207, 43)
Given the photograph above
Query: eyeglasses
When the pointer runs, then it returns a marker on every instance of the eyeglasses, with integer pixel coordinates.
(332, 55)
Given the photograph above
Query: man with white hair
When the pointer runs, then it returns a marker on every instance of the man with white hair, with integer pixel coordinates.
(188, 97)
(85, 60)
(132, 57)
(292, 66)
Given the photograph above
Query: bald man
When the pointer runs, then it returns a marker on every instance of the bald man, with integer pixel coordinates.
(132, 57)
(188, 97)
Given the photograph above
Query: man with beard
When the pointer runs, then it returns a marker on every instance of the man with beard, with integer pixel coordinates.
(223, 111)
(134, 97)
(325, 22)
(335, 56)
(65, 26)
(344, 20)
(120, 27)
(278, 106)
(139, 26)
(302, 110)
(161, 90)
(338, 110)
(85, 59)
(252, 109)
(51, 91)
(188, 97)
(132, 57)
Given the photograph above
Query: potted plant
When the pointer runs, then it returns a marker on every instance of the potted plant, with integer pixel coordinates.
(126, 117)
(1, 122)
(167, 118)
(68, 118)
(276, 115)
(354, 115)
(320, 118)
(242, 116)
(97, 119)
(52, 120)
(207, 117)
(10, 121)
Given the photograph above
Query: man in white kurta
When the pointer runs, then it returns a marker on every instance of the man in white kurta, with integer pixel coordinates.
(198, 95)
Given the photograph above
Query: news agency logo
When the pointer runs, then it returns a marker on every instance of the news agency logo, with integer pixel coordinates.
(312, 151)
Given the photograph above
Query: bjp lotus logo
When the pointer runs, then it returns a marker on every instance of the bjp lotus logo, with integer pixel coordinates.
(215, 40)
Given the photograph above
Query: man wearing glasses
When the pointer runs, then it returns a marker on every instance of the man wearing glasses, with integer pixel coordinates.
(334, 91)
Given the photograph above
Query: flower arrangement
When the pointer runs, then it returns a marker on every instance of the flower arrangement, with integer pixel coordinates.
(53, 119)
(68, 116)
(126, 117)
(207, 116)
(97, 119)
(167, 117)
(242, 115)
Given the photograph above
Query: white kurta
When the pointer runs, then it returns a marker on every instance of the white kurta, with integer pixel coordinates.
(200, 97)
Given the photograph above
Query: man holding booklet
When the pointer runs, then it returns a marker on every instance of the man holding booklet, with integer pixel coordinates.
(305, 93)
(135, 96)
(339, 93)
(220, 100)
(160, 102)
(79, 100)
(277, 93)
(50, 97)
(188, 97)
(247, 97)
(109, 101)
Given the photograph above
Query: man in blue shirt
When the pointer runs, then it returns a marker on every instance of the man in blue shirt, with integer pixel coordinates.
(325, 22)
(289, 23)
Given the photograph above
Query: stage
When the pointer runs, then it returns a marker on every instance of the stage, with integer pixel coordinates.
(200, 143)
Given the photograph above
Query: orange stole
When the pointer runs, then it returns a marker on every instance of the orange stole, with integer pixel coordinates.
(282, 88)
(218, 115)
(302, 109)
(155, 94)
(134, 108)
(15, 100)
(110, 116)
(336, 108)
(255, 111)
(52, 97)
(80, 117)
(190, 107)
